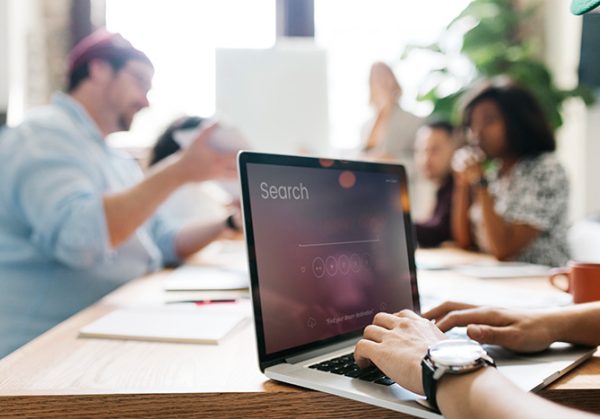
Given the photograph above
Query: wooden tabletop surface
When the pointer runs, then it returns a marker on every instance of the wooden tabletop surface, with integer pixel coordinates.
(60, 374)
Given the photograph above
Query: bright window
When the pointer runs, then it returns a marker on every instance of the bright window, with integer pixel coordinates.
(357, 33)
(180, 37)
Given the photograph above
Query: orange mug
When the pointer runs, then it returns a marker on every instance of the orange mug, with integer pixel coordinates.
(583, 280)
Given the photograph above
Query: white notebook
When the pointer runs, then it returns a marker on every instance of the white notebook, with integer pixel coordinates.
(171, 297)
(164, 325)
(494, 270)
(197, 278)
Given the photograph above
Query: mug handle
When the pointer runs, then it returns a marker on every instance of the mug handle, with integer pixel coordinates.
(555, 273)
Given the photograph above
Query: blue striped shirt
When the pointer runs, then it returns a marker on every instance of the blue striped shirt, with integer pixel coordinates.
(55, 256)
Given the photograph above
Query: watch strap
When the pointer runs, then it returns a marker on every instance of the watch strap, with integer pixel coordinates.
(231, 224)
(429, 383)
(482, 183)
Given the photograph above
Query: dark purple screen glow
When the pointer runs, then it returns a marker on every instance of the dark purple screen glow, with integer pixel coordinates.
(330, 249)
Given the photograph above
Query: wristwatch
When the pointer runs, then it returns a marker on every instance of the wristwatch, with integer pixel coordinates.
(232, 225)
(482, 182)
(452, 356)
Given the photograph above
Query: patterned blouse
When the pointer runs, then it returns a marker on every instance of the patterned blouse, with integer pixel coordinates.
(535, 192)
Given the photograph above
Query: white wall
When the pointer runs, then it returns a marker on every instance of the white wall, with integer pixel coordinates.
(37, 39)
(286, 109)
(21, 15)
(592, 163)
(576, 146)
(3, 55)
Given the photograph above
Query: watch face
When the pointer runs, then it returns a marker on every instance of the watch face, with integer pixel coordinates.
(456, 352)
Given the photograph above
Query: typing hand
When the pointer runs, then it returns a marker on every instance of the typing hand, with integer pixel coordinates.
(520, 331)
(396, 344)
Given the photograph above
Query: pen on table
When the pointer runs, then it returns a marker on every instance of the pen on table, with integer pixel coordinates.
(204, 302)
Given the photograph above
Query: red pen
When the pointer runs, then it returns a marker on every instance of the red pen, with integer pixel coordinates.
(204, 302)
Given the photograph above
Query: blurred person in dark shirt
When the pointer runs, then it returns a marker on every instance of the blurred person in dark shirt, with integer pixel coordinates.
(434, 148)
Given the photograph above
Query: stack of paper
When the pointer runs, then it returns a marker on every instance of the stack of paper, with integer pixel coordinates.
(199, 283)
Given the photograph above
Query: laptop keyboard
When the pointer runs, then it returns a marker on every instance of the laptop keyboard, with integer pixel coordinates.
(345, 365)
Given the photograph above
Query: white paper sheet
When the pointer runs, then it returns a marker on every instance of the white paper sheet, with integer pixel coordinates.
(200, 278)
(165, 325)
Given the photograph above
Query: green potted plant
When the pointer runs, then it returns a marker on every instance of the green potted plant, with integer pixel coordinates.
(494, 42)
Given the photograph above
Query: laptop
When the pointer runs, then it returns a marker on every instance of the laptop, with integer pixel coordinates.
(330, 244)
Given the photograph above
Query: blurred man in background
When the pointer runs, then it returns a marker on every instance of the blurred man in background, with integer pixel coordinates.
(78, 218)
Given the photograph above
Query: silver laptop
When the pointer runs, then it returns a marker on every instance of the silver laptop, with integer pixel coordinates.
(330, 244)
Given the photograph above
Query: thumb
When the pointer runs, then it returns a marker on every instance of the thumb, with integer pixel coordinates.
(490, 334)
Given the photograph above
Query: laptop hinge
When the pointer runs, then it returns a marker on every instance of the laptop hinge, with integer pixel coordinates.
(321, 351)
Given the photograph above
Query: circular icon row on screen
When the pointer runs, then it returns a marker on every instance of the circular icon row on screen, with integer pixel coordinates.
(343, 264)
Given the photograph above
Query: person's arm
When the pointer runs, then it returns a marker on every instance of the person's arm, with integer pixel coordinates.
(379, 127)
(461, 201)
(193, 237)
(538, 203)
(396, 344)
(127, 210)
(466, 166)
(522, 330)
(488, 394)
(505, 239)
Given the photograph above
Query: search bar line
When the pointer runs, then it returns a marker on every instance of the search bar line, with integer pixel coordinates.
(338, 243)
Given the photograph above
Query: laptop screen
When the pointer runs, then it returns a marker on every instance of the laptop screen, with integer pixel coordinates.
(330, 246)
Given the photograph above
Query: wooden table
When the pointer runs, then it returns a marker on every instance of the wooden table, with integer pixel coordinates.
(59, 374)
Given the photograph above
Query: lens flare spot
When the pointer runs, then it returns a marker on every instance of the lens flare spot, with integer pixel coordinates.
(347, 179)
(326, 162)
